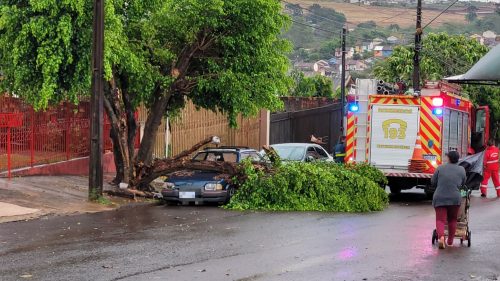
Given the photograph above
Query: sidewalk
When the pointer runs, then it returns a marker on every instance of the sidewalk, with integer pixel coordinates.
(32, 197)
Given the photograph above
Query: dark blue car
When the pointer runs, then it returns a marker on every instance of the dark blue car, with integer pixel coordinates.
(205, 186)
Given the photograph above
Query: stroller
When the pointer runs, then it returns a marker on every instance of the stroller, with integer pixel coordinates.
(473, 165)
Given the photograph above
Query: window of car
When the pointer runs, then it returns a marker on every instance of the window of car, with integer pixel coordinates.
(321, 152)
(216, 156)
(312, 152)
(254, 156)
(290, 153)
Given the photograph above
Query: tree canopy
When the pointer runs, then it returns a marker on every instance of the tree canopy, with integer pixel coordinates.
(315, 86)
(45, 49)
(442, 55)
(224, 55)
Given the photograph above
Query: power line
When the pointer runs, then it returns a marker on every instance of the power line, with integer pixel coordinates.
(442, 12)
(315, 27)
(337, 21)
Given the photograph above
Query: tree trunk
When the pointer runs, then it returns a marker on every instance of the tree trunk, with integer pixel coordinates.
(118, 159)
(115, 105)
(155, 115)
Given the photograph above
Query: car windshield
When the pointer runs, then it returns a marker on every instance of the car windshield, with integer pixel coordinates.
(216, 156)
(291, 153)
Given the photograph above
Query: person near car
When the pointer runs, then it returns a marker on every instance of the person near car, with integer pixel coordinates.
(340, 151)
(448, 179)
(491, 158)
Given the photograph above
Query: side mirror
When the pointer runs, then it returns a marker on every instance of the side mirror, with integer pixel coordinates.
(310, 159)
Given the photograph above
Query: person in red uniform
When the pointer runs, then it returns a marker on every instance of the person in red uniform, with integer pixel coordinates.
(491, 165)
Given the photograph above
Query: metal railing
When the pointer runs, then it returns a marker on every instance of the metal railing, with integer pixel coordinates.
(58, 134)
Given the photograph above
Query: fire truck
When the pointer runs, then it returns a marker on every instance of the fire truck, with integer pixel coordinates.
(385, 130)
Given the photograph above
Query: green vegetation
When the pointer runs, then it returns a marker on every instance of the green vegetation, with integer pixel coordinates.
(369, 172)
(316, 86)
(442, 55)
(312, 187)
(104, 201)
(224, 55)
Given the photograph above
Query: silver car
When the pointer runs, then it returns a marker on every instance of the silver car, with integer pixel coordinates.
(302, 152)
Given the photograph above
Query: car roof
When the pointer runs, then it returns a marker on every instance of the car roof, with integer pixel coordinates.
(228, 149)
(295, 144)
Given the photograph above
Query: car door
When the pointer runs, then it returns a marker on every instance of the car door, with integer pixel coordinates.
(311, 153)
(323, 155)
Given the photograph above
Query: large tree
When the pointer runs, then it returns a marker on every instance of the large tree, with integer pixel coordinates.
(443, 56)
(224, 55)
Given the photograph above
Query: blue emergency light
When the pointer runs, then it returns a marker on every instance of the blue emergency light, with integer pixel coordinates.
(353, 107)
(437, 111)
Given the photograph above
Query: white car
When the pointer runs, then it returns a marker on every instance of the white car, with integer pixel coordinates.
(303, 152)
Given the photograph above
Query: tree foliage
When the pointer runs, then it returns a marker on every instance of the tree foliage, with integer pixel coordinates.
(316, 86)
(224, 55)
(471, 13)
(312, 187)
(442, 55)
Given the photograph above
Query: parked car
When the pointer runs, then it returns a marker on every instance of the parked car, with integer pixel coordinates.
(205, 186)
(302, 152)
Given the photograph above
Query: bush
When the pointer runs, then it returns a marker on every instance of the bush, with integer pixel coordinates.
(311, 187)
(369, 172)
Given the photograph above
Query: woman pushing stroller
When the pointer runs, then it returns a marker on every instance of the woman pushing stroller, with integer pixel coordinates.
(448, 179)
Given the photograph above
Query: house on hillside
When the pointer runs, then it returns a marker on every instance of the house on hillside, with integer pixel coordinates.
(322, 68)
(356, 65)
(387, 51)
(382, 51)
(367, 46)
(489, 38)
(377, 51)
(478, 38)
(377, 41)
(392, 40)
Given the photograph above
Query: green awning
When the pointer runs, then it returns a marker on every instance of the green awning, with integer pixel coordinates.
(485, 71)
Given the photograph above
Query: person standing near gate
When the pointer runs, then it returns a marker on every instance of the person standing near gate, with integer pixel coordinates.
(340, 151)
(491, 158)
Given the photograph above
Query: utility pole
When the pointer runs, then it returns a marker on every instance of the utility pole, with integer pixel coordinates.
(418, 49)
(342, 79)
(96, 104)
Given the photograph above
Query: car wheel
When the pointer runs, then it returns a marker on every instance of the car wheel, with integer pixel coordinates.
(171, 203)
(230, 193)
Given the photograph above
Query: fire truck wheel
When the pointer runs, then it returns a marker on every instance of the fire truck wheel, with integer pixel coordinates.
(395, 189)
(429, 194)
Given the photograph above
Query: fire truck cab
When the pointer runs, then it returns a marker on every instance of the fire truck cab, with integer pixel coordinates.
(386, 130)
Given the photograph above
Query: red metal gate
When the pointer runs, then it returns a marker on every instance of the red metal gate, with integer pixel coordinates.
(58, 134)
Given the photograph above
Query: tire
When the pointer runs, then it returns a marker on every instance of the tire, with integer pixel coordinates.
(395, 189)
(171, 203)
(429, 194)
(230, 193)
(434, 237)
(469, 239)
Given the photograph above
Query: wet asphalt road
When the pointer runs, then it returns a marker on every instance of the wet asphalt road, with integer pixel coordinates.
(209, 243)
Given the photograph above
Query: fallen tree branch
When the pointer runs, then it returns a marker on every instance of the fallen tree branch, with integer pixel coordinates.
(129, 193)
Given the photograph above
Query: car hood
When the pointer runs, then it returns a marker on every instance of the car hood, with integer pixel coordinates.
(191, 177)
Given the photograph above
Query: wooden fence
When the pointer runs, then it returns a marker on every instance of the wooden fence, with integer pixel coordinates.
(193, 125)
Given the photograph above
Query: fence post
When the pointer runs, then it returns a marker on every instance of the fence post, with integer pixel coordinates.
(8, 152)
(68, 135)
(32, 140)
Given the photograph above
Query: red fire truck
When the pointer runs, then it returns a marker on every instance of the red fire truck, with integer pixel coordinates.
(383, 130)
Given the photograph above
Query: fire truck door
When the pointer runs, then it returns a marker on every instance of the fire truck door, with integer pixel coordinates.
(481, 128)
